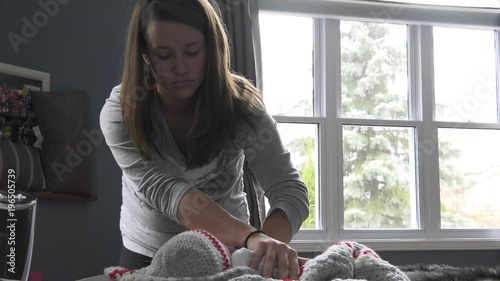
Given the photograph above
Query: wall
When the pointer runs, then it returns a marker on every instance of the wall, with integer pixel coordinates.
(82, 45)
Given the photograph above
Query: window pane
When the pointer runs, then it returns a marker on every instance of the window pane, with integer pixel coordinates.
(374, 70)
(287, 64)
(469, 178)
(302, 142)
(464, 3)
(379, 177)
(464, 69)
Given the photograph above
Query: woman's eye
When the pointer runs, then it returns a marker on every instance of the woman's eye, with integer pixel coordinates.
(192, 54)
(164, 57)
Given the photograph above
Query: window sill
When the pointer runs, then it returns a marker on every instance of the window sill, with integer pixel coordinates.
(405, 244)
(64, 196)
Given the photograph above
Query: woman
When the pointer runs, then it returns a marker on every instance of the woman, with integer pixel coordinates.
(180, 126)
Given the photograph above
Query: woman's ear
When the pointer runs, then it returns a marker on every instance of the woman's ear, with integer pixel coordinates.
(145, 58)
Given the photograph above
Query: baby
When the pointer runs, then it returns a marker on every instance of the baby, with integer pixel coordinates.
(197, 253)
(194, 254)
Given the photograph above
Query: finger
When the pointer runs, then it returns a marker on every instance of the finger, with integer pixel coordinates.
(269, 262)
(302, 261)
(257, 256)
(283, 260)
(232, 249)
(283, 266)
(294, 264)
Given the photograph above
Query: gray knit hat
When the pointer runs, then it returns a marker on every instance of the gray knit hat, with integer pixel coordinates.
(193, 253)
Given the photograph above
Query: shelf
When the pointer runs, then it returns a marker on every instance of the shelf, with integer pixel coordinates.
(64, 196)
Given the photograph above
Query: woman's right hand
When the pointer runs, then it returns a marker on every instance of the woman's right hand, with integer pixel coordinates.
(276, 254)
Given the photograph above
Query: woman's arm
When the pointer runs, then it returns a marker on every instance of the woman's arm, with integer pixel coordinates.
(158, 183)
(287, 194)
(197, 210)
(278, 226)
(271, 163)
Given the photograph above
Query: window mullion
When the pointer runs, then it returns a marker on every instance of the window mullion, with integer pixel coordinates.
(332, 88)
(320, 111)
(497, 52)
(428, 138)
(415, 113)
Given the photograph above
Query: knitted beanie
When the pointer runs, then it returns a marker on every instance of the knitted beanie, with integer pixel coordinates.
(194, 253)
(350, 261)
(334, 263)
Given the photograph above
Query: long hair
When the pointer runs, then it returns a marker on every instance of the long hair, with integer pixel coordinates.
(224, 99)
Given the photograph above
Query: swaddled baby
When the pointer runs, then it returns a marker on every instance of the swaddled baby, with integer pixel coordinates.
(196, 253)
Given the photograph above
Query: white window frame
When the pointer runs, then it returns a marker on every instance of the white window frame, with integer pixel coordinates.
(327, 15)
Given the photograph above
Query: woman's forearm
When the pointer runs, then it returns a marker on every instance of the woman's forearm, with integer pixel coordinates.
(278, 227)
(197, 210)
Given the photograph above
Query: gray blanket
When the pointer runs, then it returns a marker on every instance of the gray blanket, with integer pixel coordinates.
(442, 272)
(340, 262)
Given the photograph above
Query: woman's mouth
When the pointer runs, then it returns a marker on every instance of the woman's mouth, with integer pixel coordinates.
(183, 84)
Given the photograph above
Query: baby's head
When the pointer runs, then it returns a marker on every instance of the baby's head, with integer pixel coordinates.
(194, 253)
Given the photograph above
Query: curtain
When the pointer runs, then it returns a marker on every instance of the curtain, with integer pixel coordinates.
(242, 23)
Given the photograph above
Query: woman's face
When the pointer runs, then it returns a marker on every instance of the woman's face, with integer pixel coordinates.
(177, 55)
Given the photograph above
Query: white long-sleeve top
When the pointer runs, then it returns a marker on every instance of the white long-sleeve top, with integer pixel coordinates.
(151, 191)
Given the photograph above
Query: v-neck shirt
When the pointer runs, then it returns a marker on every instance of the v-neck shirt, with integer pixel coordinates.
(151, 191)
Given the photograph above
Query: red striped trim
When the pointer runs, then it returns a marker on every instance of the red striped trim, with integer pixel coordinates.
(225, 259)
(119, 272)
(370, 252)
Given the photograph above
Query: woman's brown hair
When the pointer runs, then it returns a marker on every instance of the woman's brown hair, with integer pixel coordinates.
(224, 99)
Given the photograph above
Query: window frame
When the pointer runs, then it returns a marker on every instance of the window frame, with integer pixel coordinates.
(327, 15)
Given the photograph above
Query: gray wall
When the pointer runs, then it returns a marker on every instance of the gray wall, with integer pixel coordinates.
(82, 47)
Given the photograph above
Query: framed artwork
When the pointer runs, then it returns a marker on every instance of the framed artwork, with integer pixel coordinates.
(17, 114)
(16, 77)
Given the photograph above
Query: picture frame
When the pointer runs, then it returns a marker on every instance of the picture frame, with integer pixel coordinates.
(13, 76)
(17, 115)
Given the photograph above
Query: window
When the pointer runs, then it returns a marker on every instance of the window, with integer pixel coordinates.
(292, 101)
(464, 3)
(464, 71)
(393, 125)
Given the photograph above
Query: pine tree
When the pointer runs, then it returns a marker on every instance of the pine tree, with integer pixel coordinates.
(377, 160)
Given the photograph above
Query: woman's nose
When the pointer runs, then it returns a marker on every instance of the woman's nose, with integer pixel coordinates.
(180, 67)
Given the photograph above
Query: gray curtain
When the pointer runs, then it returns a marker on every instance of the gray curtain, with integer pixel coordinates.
(242, 23)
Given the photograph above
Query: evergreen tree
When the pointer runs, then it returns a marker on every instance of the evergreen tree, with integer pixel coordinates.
(378, 161)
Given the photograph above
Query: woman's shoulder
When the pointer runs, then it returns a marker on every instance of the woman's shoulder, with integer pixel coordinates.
(114, 96)
(111, 109)
(261, 119)
(256, 124)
